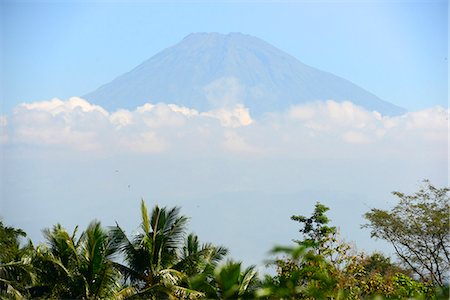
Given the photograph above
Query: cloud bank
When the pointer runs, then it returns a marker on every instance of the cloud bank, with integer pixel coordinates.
(314, 129)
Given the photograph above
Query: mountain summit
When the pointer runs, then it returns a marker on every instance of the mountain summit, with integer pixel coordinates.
(208, 70)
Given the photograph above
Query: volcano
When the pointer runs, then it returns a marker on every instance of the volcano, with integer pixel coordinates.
(209, 70)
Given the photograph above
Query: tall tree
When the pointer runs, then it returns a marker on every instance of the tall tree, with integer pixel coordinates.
(315, 229)
(322, 238)
(418, 229)
(152, 256)
(77, 268)
(196, 258)
(96, 262)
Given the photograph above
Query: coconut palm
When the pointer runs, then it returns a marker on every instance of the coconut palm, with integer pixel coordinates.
(16, 271)
(198, 262)
(96, 265)
(57, 265)
(196, 258)
(71, 267)
(153, 264)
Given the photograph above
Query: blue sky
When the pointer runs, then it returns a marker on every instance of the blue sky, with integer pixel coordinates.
(395, 49)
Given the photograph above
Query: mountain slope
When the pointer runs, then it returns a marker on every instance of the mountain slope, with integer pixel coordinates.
(206, 70)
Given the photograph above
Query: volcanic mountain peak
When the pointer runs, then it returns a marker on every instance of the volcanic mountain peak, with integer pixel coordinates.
(208, 70)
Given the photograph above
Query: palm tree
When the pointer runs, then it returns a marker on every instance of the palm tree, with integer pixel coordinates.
(16, 272)
(153, 264)
(57, 265)
(96, 264)
(196, 258)
(72, 267)
(198, 262)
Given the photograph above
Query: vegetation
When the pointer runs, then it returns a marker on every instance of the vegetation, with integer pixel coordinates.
(162, 261)
(16, 271)
(418, 229)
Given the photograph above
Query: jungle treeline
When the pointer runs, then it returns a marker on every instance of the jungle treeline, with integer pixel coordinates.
(163, 261)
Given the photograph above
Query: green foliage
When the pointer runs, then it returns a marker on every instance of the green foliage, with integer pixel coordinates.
(378, 263)
(323, 239)
(199, 263)
(231, 282)
(418, 229)
(10, 242)
(406, 287)
(71, 267)
(302, 274)
(16, 271)
(196, 258)
(368, 276)
(159, 260)
(314, 229)
(151, 254)
(323, 267)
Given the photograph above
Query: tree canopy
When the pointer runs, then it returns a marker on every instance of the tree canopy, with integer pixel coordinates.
(418, 229)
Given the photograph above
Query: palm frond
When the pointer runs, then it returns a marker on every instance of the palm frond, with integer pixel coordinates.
(97, 269)
(247, 277)
(128, 273)
(62, 245)
(145, 221)
(136, 257)
(217, 253)
(171, 276)
(174, 231)
(191, 246)
(120, 241)
(125, 293)
(199, 259)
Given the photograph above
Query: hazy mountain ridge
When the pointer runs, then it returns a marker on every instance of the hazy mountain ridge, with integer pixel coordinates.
(206, 70)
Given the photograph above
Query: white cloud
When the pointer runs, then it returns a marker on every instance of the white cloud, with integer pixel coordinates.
(331, 113)
(75, 123)
(237, 116)
(57, 106)
(432, 118)
(188, 112)
(224, 92)
(310, 129)
(160, 115)
(304, 112)
(150, 128)
(121, 118)
(145, 108)
(355, 125)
